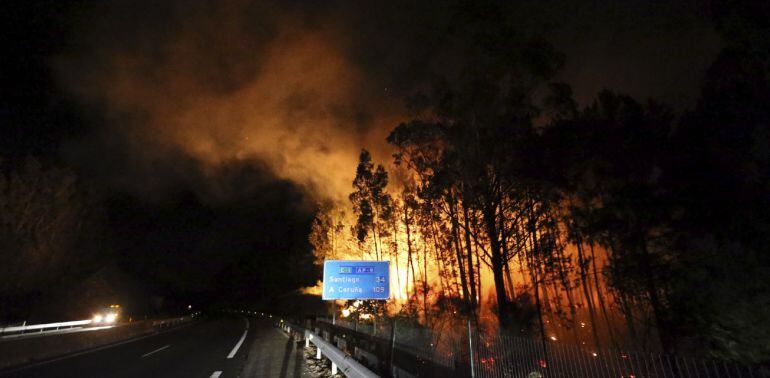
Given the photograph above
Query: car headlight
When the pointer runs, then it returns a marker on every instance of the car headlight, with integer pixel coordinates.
(109, 318)
(98, 318)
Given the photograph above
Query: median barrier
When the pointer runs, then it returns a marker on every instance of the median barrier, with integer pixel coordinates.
(20, 351)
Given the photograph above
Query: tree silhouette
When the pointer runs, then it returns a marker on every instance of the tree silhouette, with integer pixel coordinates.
(371, 203)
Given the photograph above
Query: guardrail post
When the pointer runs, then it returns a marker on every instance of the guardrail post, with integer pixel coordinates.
(334, 368)
(318, 353)
(307, 341)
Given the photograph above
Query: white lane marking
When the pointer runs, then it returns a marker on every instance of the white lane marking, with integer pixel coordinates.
(155, 351)
(215, 374)
(235, 349)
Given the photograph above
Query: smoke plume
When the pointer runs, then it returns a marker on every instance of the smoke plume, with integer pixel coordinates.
(300, 86)
(206, 86)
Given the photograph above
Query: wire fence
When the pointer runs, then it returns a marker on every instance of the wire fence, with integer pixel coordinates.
(470, 352)
(510, 356)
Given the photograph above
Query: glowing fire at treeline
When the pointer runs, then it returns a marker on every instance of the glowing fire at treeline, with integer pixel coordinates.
(442, 257)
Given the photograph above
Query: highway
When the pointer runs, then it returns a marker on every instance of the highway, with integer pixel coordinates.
(218, 347)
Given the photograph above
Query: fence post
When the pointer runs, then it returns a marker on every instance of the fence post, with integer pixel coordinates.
(470, 349)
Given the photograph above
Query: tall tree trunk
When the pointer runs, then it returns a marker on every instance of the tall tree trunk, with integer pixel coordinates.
(458, 250)
(658, 311)
(471, 275)
(600, 298)
(625, 307)
(509, 279)
(535, 265)
(414, 278)
(398, 274)
(565, 282)
(586, 292)
(333, 234)
(374, 239)
(506, 254)
(408, 249)
(453, 266)
(474, 221)
(534, 268)
(478, 279)
(439, 262)
(425, 286)
(628, 313)
(490, 223)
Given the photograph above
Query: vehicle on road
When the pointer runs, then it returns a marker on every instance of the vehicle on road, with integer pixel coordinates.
(107, 315)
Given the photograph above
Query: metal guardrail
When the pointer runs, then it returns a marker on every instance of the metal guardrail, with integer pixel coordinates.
(340, 360)
(48, 327)
(41, 327)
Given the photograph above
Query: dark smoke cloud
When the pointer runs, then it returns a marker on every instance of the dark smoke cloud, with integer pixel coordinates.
(218, 83)
(301, 86)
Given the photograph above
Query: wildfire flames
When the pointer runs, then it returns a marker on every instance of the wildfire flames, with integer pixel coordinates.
(301, 107)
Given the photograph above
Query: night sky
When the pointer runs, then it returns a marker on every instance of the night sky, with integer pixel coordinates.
(184, 115)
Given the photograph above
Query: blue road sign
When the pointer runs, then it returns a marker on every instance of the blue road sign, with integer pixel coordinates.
(345, 279)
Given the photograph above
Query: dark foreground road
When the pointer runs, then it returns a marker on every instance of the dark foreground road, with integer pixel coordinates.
(222, 347)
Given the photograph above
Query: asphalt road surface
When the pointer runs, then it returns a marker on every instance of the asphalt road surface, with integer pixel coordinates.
(220, 347)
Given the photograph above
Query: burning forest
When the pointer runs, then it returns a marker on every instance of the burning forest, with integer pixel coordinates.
(573, 175)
